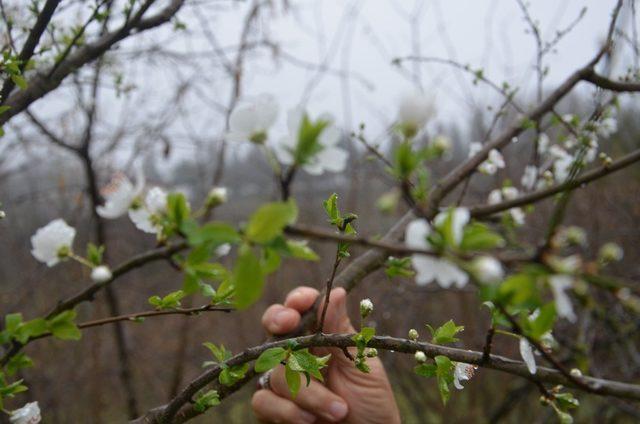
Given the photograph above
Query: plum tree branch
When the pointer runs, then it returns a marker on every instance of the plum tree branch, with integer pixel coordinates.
(587, 177)
(167, 414)
(89, 293)
(43, 82)
(145, 314)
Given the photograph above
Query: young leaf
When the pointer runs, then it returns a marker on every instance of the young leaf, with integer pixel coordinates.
(248, 278)
(270, 358)
(446, 333)
(293, 380)
(269, 220)
(206, 401)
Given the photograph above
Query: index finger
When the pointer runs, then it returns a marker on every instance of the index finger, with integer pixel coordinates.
(301, 298)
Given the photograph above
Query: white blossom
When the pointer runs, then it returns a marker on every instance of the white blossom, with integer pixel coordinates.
(611, 252)
(543, 143)
(462, 372)
(217, 196)
(607, 127)
(420, 356)
(441, 143)
(251, 121)
(366, 307)
(487, 269)
(101, 274)
(3, 215)
(508, 193)
(517, 216)
(562, 167)
(120, 194)
(145, 216)
(414, 111)
(559, 284)
(330, 158)
(223, 250)
(413, 334)
(28, 414)
(52, 242)
(494, 161)
(433, 268)
(529, 177)
(526, 352)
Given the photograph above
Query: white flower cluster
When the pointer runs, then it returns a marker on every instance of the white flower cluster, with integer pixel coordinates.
(28, 414)
(122, 197)
(433, 268)
(508, 193)
(252, 121)
(494, 162)
(561, 157)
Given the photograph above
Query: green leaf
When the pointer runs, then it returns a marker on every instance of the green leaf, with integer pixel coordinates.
(519, 290)
(446, 333)
(543, 322)
(308, 144)
(270, 261)
(269, 221)
(217, 233)
(177, 209)
(170, 301)
(331, 207)
(478, 236)
(270, 358)
(300, 250)
(293, 380)
(425, 370)
(19, 81)
(95, 253)
(231, 375)
(18, 362)
(398, 267)
(248, 278)
(62, 326)
(444, 373)
(220, 353)
(206, 401)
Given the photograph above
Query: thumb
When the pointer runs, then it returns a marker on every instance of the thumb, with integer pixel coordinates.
(336, 320)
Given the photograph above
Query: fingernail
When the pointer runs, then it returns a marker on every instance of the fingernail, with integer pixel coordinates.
(307, 417)
(281, 318)
(338, 410)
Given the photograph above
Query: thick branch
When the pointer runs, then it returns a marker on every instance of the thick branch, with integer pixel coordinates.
(43, 83)
(31, 43)
(608, 84)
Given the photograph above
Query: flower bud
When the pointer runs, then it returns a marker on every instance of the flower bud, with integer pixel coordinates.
(487, 269)
(101, 274)
(216, 197)
(413, 334)
(2, 215)
(366, 307)
(372, 352)
(441, 144)
(575, 372)
(420, 357)
(610, 252)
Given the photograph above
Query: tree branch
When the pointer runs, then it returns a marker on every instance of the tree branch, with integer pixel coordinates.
(43, 83)
(598, 386)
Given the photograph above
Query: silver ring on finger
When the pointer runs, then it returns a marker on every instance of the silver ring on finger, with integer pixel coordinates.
(264, 381)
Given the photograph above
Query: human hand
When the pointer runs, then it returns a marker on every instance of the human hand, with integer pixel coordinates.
(347, 395)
